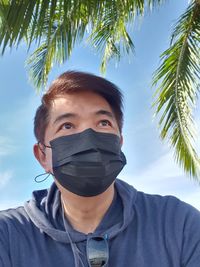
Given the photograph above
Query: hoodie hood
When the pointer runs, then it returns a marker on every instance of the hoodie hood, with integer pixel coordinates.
(45, 211)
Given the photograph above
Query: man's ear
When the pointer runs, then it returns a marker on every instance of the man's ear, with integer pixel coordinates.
(40, 156)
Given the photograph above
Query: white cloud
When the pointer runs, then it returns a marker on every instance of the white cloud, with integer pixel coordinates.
(5, 178)
(159, 171)
(6, 147)
(164, 177)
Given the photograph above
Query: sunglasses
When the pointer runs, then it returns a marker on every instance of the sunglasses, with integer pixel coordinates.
(97, 251)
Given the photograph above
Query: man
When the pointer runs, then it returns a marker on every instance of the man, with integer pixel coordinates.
(88, 217)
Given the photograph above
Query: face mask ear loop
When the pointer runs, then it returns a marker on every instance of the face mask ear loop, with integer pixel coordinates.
(40, 143)
(46, 173)
(42, 180)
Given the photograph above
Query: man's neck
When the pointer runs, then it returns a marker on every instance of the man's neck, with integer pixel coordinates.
(85, 213)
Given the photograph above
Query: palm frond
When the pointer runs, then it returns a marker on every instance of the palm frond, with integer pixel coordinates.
(17, 16)
(55, 48)
(176, 95)
(28, 20)
(109, 32)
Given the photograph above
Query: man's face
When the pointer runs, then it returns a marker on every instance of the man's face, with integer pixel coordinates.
(75, 112)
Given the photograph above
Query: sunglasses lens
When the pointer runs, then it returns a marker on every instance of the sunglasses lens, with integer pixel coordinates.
(97, 252)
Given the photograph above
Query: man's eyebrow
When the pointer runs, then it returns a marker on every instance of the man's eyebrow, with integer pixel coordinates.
(73, 115)
(105, 112)
(64, 116)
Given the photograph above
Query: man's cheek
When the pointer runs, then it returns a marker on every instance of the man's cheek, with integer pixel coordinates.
(49, 162)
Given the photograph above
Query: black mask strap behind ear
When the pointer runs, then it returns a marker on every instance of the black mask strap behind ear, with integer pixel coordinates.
(39, 143)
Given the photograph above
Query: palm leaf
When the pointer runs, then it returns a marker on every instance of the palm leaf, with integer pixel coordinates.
(109, 35)
(55, 48)
(36, 21)
(176, 95)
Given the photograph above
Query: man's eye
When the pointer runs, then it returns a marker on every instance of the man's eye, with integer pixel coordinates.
(105, 123)
(67, 126)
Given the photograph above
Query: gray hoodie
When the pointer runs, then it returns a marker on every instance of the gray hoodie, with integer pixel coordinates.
(143, 230)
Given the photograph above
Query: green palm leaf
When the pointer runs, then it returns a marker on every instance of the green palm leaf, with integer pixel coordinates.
(176, 95)
(109, 34)
(42, 21)
(55, 48)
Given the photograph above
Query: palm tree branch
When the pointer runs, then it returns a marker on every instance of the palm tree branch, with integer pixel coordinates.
(56, 49)
(176, 95)
(23, 17)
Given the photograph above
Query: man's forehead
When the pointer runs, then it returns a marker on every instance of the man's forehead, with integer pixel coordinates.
(71, 103)
(59, 100)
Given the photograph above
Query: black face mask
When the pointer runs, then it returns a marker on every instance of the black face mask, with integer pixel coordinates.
(87, 163)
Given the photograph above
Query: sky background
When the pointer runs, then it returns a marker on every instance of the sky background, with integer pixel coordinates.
(150, 164)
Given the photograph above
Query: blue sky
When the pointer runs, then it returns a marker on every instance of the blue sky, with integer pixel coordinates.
(151, 167)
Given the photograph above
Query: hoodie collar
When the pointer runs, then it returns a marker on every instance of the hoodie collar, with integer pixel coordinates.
(45, 211)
